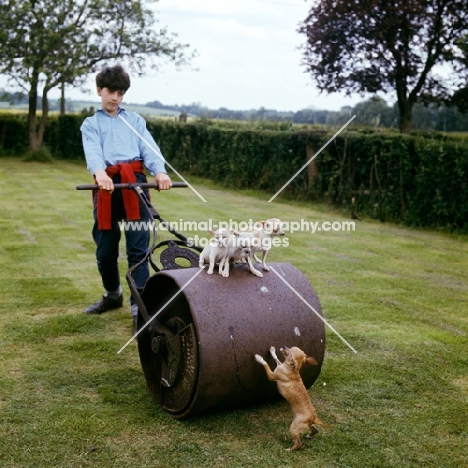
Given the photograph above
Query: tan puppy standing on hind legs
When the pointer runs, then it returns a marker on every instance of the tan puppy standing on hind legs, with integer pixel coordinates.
(291, 387)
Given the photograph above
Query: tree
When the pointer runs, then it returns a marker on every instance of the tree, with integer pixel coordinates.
(460, 97)
(370, 46)
(374, 112)
(47, 43)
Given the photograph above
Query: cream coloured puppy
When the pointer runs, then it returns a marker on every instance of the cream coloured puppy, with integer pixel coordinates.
(215, 251)
(240, 250)
(262, 235)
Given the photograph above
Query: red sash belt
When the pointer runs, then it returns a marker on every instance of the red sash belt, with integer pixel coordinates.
(130, 199)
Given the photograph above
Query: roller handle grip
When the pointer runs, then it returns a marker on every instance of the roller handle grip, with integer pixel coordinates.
(131, 185)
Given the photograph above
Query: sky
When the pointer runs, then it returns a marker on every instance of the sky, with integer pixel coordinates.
(247, 57)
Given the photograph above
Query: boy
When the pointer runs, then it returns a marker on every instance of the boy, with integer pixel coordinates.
(115, 153)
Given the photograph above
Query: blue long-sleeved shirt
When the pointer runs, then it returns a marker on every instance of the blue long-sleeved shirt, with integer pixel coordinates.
(109, 140)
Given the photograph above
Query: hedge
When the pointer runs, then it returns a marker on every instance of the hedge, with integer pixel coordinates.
(418, 180)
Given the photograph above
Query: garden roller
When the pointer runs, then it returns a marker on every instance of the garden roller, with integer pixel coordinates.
(198, 333)
(199, 355)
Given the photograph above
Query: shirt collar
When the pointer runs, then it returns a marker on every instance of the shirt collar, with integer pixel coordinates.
(120, 110)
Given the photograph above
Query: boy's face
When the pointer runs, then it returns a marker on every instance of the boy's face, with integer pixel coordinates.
(110, 100)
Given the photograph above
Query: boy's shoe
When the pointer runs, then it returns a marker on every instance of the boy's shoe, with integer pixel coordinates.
(104, 305)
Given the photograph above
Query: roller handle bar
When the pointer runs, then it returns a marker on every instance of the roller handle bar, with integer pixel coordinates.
(131, 186)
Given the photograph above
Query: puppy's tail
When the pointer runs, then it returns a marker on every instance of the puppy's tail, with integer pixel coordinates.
(322, 424)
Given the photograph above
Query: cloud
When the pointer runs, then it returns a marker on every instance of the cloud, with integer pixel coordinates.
(232, 27)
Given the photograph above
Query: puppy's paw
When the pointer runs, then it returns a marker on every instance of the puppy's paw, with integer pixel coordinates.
(256, 273)
(313, 431)
(266, 268)
(260, 360)
(273, 351)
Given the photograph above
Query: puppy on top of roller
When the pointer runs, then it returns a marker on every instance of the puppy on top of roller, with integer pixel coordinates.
(221, 248)
(261, 238)
(241, 247)
(216, 250)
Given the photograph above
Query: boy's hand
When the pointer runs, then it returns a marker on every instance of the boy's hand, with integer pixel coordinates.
(163, 180)
(103, 181)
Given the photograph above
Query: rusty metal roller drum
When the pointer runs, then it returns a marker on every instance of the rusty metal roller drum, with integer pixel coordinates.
(203, 360)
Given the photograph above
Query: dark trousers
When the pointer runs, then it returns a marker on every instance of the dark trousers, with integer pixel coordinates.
(107, 243)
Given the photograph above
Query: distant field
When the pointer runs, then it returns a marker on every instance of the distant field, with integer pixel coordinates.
(78, 106)
(6, 107)
(139, 108)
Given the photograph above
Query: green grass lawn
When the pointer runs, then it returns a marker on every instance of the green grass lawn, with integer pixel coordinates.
(67, 399)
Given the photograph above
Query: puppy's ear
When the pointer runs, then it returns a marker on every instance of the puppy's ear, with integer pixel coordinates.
(311, 360)
(234, 233)
(211, 232)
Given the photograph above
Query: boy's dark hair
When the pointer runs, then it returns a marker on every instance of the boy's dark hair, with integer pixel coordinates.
(113, 78)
